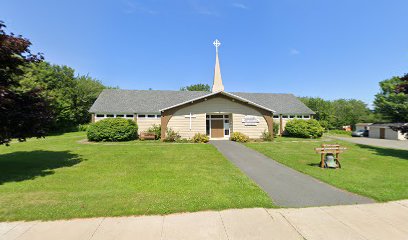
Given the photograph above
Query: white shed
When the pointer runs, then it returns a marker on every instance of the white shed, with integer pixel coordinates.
(384, 131)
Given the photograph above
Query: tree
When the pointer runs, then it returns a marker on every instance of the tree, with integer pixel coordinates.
(69, 96)
(392, 101)
(337, 113)
(349, 112)
(23, 113)
(197, 87)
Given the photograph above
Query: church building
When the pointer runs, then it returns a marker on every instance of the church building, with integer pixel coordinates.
(217, 113)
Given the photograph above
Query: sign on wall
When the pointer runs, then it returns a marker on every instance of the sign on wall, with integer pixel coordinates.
(250, 120)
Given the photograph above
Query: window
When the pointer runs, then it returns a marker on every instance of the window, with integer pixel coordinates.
(226, 121)
(141, 116)
(129, 115)
(158, 115)
(306, 116)
(292, 116)
(226, 116)
(110, 115)
(216, 116)
(120, 116)
(275, 116)
(226, 131)
(100, 115)
(151, 116)
(207, 116)
(284, 116)
(207, 127)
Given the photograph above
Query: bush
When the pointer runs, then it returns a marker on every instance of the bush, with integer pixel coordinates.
(82, 127)
(200, 138)
(276, 128)
(267, 136)
(156, 129)
(112, 130)
(171, 136)
(239, 137)
(304, 128)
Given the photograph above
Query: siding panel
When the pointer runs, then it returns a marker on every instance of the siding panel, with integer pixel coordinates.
(181, 124)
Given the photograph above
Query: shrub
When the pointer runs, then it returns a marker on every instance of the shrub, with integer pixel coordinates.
(275, 128)
(267, 136)
(200, 138)
(156, 129)
(304, 128)
(112, 130)
(171, 136)
(183, 140)
(239, 137)
(82, 127)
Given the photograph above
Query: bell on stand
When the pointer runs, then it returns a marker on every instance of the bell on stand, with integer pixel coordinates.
(329, 161)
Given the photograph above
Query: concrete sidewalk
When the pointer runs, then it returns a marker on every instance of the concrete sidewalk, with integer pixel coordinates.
(368, 221)
(286, 187)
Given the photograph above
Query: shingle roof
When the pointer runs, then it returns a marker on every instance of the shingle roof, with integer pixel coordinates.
(152, 101)
(282, 103)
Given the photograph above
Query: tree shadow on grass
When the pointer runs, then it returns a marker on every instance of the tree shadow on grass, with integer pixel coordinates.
(21, 166)
(390, 152)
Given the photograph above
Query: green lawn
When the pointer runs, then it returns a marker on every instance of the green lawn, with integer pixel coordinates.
(374, 172)
(59, 178)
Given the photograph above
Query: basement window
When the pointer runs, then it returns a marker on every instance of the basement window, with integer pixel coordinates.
(129, 115)
(151, 116)
(100, 115)
(120, 116)
(110, 115)
(141, 116)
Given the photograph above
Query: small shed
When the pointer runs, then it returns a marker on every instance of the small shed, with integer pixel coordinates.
(384, 131)
(363, 126)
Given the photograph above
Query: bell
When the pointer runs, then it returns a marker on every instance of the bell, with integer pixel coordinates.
(329, 161)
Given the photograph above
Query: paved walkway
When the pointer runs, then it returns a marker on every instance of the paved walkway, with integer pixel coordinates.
(368, 221)
(286, 187)
(375, 142)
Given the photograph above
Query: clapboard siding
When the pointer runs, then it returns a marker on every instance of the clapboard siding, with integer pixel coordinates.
(145, 123)
(250, 131)
(180, 123)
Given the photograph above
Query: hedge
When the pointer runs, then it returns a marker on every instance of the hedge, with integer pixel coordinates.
(304, 128)
(112, 130)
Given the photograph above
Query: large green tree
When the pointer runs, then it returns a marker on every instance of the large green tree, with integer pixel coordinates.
(70, 96)
(197, 87)
(392, 101)
(337, 113)
(23, 113)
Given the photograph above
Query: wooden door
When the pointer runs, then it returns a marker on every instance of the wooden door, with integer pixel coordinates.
(382, 133)
(217, 128)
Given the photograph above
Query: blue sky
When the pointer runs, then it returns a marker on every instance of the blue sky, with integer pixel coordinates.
(326, 48)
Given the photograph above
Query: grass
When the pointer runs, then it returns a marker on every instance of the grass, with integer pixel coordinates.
(339, 133)
(375, 172)
(60, 178)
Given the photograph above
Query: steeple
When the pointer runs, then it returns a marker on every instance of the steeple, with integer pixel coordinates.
(217, 83)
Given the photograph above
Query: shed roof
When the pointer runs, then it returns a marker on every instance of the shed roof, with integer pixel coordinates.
(385, 125)
(152, 101)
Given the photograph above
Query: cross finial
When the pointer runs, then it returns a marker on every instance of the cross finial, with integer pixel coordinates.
(216, 44)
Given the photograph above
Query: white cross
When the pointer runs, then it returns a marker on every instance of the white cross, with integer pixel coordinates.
(216, 44)
(191, 116)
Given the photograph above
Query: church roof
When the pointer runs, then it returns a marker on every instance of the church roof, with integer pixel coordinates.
(152, 101)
